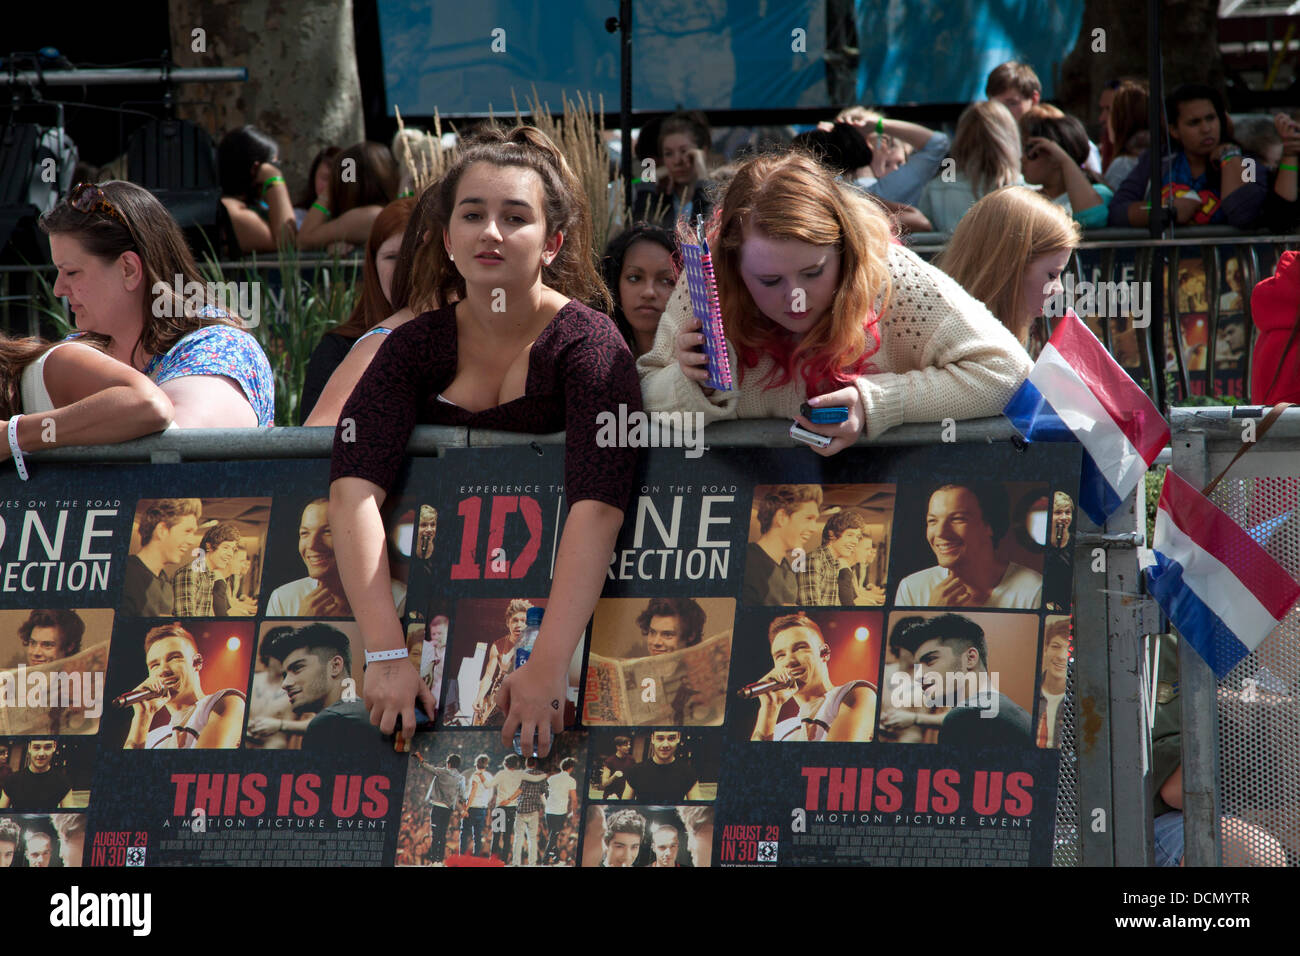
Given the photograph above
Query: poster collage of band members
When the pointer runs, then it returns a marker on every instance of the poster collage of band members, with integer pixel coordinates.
(183, 676)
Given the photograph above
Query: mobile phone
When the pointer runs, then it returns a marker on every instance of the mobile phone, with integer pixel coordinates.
(825, 415)
(799, 433)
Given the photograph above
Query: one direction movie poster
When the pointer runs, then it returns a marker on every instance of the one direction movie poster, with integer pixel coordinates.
(795, 661)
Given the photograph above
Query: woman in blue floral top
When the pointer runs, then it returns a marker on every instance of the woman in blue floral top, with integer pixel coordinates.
(132, 284)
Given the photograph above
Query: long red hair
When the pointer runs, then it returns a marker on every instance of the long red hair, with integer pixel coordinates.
(791, 196)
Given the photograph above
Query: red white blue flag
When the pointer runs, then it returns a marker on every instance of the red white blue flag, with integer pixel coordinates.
(1222, 591)
(1077, 392)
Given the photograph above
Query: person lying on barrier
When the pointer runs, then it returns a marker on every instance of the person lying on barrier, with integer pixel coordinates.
(136, 293)
(518, 351)
(820, 304)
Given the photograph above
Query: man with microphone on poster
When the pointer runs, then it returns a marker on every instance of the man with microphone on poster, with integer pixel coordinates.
(195, 720)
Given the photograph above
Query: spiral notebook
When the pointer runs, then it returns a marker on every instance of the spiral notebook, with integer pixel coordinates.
(704, 303)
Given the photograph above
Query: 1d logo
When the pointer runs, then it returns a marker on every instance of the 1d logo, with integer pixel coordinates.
(498, 563)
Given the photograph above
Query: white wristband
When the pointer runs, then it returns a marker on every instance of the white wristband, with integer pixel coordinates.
(13, 447)
(393, 655)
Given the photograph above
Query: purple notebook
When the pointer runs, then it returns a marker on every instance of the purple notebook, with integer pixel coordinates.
(704, 303)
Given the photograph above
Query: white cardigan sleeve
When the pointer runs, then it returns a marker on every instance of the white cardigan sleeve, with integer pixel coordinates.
(942, 353)
(664, 388)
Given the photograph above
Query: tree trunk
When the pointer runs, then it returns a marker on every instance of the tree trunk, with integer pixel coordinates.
(302, 73)
(1189, 43)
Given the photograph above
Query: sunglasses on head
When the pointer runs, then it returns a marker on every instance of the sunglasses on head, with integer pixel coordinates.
(88, 198)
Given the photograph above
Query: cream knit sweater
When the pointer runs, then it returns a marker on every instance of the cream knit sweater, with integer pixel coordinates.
(942, 355)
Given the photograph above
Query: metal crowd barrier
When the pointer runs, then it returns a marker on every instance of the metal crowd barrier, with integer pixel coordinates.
(1241, 735)
(1103, 803)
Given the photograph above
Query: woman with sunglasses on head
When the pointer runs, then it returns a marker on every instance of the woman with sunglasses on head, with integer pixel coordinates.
(820, 305)
(513, 232)
(119, 254)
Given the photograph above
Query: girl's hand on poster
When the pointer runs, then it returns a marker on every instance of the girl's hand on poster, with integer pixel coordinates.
(846, 432)
(392, 690)
(532, 698)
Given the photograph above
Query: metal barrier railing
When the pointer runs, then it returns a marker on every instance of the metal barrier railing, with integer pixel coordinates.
(1241, 735)
(1101, 741)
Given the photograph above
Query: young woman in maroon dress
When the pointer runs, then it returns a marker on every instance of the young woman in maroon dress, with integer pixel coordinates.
(513, 227)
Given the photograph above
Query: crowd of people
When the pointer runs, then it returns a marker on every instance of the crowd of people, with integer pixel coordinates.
(484, 303)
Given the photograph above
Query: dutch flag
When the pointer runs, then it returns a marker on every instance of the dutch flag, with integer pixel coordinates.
(1077, 392)
(1222, 591)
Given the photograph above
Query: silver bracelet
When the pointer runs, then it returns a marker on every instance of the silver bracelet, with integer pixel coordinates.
(13, 447)
(393, 655)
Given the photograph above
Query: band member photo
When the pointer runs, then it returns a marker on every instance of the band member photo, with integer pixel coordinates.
(644, 835)
(620, 833)
(469, 801)
(1058, 555)
(272, 724)
(964, 527)
(783, 523)
(54, 775)
(166, 530)
(904, 716)
(11, 840)
(316, 660)
(70, 648)
(482, 654)
(500, 662)
(171, 709)
(203, 588)
(847, 552)
(49, 635)
(426, 532)
(301, 543)
(981, 667)
(799, 699)
(170, 545)
(1052, 681)
(658, 661)
(656, 766)
(433, 652)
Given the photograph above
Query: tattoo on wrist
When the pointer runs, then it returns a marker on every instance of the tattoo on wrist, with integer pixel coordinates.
(555, 704)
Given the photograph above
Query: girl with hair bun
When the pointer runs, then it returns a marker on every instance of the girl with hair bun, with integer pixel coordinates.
(519, 348)
(820, 304)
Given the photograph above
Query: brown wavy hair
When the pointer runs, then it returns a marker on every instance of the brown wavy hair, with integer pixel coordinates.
(372, 306)
(787, 196)
(572, 272)
(155, 237)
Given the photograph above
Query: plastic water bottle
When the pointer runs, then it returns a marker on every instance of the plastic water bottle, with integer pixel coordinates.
(524, 649)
